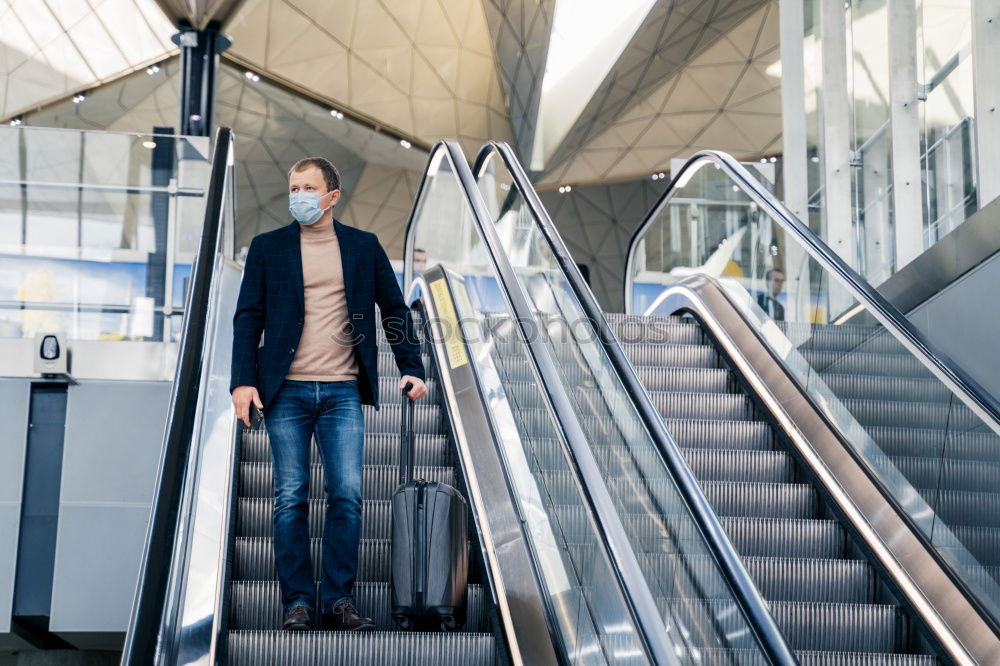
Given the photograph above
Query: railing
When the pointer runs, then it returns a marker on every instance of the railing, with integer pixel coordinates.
(604, 609)
(589, 355)
(925, 430)
(92, 216)
(162, 619)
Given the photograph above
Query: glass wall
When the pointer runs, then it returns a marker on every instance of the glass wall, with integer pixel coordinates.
(97, 231)
(883, 80)
(944, 39)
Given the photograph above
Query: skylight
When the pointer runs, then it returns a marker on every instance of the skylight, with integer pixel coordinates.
(588, 36)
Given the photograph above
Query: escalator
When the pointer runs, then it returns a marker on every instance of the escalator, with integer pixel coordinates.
(679, 488)
(208, 590)
(555, 575)
(822, 591)
(255, 606)
(851, 466)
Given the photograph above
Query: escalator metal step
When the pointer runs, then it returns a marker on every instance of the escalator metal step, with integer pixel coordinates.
(742, 499)
(254, 514)
(770, 537)
(685, 356)
(896, 413)
(807, 658)
(761, 500)
(892, 365)
(324, 648)
(719, 657)
(777, 578)
(257, 605)
(843, 339)
(982, 542)
(703, 406)
(950, 474)
(673, 332)
(746, 435)
(862, 387)
(687, 380)
(806, 626)
(730, 465)
(377, 481)
(432, 450)
(957, 507)
(896, 441)
(255, 560)
(616, 319)
(842, 627)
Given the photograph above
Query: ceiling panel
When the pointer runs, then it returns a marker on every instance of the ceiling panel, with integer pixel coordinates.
(713, 102)
(52, 48)
(672, 34)
(423, 67)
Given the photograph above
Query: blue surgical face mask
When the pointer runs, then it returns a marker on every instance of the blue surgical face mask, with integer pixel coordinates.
(304, 206)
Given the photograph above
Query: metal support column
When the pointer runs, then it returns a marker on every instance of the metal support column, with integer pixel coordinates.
(795, 171)
(200, 51)
(836, 147)
(793, 107)
(986, 87)
(904, 119)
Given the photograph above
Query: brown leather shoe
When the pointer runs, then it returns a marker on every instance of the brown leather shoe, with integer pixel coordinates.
(345, 617)
(298, 619)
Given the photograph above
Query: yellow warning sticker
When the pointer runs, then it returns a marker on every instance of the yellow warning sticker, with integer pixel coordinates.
(448, 324)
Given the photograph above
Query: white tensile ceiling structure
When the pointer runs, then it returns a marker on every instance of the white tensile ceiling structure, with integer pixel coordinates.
(680, 75)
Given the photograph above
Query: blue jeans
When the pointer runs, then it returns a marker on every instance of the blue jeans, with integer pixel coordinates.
(331, 410)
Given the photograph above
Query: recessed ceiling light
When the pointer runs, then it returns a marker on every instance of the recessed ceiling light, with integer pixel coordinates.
(14, 122)
(79, 98)
(565, 189)
(405, 144)
(149, 144)
(153, 69)
(336, 114)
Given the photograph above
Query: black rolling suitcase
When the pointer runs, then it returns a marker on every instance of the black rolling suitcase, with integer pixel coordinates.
(429, 555)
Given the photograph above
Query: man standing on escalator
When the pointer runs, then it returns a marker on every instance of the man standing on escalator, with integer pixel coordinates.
(311, 288)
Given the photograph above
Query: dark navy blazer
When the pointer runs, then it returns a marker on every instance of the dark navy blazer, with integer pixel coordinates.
(272, 301)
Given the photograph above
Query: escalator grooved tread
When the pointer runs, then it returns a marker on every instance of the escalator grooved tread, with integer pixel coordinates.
(823, 601)
(254, 619)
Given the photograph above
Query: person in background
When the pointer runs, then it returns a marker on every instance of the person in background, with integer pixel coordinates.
(768, 300)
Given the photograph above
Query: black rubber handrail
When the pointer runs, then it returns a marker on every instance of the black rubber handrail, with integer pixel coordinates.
(950, 373)
(630, 578)
(142, 640)
(753, 606)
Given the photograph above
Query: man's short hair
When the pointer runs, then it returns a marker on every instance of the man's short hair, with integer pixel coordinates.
(771, 271)
(330, 173)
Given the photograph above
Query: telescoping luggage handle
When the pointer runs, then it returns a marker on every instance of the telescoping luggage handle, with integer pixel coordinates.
(406, 438)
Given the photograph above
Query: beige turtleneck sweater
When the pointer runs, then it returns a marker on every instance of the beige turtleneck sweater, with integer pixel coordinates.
(325, 352)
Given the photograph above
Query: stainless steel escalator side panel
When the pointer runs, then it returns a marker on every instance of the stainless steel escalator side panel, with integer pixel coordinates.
(200, 574)
(628, 573)
(514, 581)
(907, 560)
(175, 616)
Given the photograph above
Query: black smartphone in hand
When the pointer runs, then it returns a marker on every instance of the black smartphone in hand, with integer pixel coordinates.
(256, 417)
